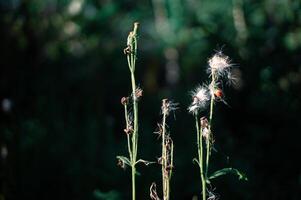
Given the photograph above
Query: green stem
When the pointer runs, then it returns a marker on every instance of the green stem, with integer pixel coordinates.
(131, 58)
(134, 136)
(212, 85)
(133, 182)
(127, 126)
(200, 154)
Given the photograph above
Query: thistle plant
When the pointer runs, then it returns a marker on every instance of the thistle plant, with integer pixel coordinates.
(207, 95)
(166, 159)
(131, 119)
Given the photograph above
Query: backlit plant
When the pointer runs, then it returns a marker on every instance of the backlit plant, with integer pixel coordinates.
(203, 97)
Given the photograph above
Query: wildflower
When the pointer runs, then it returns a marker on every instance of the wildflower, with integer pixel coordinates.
(200, 99)
(219, 64)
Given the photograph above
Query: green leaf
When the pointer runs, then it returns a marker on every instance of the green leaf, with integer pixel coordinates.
(230, 170)
(124, 159)
(196, 161)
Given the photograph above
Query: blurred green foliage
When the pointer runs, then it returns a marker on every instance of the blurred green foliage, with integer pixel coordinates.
(63, 73)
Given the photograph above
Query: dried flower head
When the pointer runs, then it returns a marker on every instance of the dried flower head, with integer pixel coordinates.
(219, 64)
(138, 93)
(204, 122)
(124, 100)
(159, 130)
(153, 192)
(121, 163)
(168, 106)
(206, 133)
(129, 130)
(200, 98)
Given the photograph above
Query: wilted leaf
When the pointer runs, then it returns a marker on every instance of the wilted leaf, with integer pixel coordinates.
(145, 162)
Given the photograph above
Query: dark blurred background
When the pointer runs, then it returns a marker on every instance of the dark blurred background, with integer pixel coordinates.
(63, 73)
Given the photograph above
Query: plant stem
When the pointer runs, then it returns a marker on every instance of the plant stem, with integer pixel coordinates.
(133, 182)
(134, 137)
(164, 160)
(131, 58)
(127, 126)
(200, 154)
(212, 85)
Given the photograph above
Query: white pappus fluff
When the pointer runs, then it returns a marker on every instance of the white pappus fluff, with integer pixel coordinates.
(201, 97)
(219, 64)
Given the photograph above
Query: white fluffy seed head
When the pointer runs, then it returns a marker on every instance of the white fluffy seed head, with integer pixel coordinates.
(219, 63)
(200, 96)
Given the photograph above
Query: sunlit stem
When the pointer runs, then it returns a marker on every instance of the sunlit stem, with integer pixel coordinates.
(200, 154)
(131, 58)
(208, 147)
(164, 158)
(167, 160)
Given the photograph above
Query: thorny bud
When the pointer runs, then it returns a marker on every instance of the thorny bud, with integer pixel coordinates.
(124, 100)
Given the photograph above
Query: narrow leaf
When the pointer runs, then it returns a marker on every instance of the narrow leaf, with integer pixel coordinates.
(124, 159)
(230, 170)
(196, 161)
